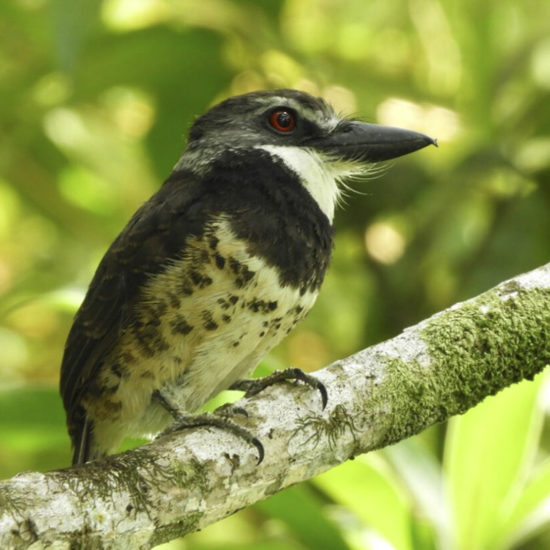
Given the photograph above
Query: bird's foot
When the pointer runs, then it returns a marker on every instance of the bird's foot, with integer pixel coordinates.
(256, 385)
(229, 409)
(186, 421)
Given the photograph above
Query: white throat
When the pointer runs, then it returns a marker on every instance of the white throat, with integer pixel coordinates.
(318, 175)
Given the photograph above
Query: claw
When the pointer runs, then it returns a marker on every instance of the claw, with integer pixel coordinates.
(258, 444)
(256, 385)
(236, 410)
(183, 422)
(324, 394)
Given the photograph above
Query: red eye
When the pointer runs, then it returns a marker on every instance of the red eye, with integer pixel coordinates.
(282, 120)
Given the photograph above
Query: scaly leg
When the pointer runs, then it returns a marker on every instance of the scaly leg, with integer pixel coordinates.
(256, 385)
(184, 421)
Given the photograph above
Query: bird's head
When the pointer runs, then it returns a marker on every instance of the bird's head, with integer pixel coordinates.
(304, 132)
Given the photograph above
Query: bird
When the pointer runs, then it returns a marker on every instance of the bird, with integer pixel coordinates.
(216, 268)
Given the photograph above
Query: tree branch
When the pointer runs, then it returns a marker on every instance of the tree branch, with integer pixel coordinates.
(185, 481)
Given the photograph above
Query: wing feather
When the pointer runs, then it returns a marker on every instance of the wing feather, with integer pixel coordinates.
(154, 235)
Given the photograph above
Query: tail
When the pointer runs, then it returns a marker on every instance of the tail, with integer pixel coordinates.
(85, 448)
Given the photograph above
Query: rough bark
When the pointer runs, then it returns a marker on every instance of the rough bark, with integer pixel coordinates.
(185, 481)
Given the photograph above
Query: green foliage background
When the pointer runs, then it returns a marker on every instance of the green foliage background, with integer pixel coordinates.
(95, 100)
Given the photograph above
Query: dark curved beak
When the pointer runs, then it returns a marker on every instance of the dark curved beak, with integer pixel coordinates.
(355, 140)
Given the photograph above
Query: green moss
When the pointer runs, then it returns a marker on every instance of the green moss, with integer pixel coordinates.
(112, 474)
(165, 533)
(476, 350)
(12, 503)
(333, 427)
(134, 471)
(402, 396)
(191, 474)
(500, 338)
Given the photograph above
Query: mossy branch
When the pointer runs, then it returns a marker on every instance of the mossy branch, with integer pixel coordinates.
(388, 392)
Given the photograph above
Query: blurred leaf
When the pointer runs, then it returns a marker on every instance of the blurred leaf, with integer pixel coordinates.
(32, 428)
(180, 544)
(487, 452)
(73, 23)
(421, 474)
(155, 59)
(367, 487)
(303, 514)
(532, 509)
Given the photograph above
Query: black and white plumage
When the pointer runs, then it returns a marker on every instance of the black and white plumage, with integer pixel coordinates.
(217, 267)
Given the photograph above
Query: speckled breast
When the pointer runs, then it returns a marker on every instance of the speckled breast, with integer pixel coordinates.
(203, 322)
